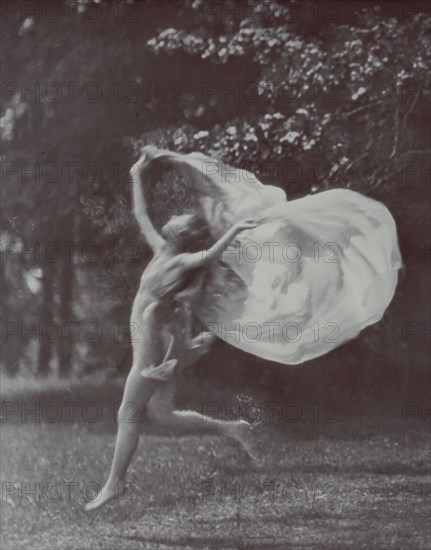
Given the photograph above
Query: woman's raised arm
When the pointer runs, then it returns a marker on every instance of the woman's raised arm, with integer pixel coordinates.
(153, 238)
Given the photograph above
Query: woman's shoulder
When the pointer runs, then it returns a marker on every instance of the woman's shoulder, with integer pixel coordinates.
(178, 262)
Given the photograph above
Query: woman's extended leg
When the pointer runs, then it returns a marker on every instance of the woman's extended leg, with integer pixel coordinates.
(137, 393)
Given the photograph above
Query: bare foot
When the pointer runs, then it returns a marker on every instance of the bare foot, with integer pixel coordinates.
(242, 431)
(111, 490)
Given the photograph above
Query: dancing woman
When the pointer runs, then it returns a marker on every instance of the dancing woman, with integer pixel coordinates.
(340, 279)
(165, 343)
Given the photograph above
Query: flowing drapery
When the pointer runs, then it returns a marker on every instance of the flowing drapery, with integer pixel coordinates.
(311, 276)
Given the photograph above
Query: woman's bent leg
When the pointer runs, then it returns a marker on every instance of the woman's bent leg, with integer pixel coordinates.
(240, 431)
(161, 410)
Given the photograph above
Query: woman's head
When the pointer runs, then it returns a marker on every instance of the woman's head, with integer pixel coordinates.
(187, 232)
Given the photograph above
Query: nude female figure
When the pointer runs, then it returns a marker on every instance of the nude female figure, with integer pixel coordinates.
(161, 349)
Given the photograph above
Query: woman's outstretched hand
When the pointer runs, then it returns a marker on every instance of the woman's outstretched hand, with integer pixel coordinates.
(247, 223)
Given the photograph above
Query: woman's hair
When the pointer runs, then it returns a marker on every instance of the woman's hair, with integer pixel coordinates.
(188, 232)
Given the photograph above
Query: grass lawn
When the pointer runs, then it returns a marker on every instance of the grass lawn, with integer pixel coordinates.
(362, 483)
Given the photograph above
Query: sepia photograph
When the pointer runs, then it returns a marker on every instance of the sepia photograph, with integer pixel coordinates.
(215, 246)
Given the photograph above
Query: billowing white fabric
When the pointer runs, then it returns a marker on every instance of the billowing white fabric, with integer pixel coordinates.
(311, 276)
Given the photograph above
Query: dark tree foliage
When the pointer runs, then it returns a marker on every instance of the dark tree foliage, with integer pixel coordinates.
(308, 95)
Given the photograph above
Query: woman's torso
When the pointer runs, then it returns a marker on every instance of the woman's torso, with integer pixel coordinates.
(156, 313)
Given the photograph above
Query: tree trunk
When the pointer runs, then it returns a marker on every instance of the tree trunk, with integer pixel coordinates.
(66, 344)
(46, 317)
(11, 346)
